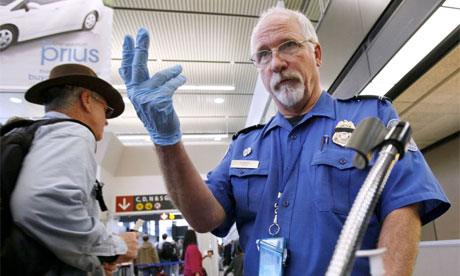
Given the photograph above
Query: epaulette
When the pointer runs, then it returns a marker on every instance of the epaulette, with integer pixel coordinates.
(247, 130)
(367, 97)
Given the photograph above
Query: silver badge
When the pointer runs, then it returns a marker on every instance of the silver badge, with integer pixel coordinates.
(411, 145)
(247, 151)
(342, 133)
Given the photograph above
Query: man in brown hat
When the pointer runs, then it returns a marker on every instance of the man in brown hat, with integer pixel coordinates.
(55, 199)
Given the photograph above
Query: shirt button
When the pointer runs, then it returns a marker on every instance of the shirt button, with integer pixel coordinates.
(241, 171)
(342, 161)
(293, 137)
(286, 203)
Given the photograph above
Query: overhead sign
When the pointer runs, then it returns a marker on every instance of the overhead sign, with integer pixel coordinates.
(139, 203)
(167, 216)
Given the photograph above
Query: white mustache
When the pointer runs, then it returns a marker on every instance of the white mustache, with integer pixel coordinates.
(279, 77)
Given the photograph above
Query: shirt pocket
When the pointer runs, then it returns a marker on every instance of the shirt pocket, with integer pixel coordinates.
(332, 169)
(248, 187)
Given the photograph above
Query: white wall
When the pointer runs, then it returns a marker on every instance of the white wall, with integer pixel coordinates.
(206, 242)
(134, 170)
(438, 258)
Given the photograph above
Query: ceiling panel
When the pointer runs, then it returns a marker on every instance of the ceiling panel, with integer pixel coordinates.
(314, 11)
(242, 76)
(236, 7)
(212, 125)
(197, 105)
(432, 104)
(445, 67)
(204, 106)
(188, 37)
(189, 125)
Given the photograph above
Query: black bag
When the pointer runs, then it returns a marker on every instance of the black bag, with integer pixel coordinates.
(175, 256)
(20, 253)
(167, 251)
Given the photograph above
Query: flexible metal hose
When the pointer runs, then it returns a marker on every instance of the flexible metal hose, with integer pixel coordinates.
(361, 211)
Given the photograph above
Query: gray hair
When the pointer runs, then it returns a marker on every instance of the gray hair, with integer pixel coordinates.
(62, 97)
(306, 25)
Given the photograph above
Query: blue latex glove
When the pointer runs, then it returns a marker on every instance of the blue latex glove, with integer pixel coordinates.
(151, 97)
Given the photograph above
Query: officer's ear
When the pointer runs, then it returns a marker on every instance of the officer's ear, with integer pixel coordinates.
(318, 54)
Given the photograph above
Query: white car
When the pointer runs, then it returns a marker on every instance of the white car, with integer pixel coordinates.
(22, 20)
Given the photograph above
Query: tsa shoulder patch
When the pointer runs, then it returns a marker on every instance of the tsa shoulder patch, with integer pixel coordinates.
(411, 146)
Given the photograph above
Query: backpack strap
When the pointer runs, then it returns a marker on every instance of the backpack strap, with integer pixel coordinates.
(33, 125)
(15, 124)
(37, 123)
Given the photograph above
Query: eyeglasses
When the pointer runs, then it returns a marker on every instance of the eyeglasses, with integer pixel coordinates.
(108, 110)
(285, 50)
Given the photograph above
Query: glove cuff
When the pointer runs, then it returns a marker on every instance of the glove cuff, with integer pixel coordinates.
(165, 139)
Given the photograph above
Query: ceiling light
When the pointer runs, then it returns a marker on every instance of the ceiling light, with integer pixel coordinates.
(144, 139)
(122, 87)
(13, 88)
(207, 87)
(15, 100)
(452, 4)
(134, 137)
(204, 136)
(428, 36)
(218, 100)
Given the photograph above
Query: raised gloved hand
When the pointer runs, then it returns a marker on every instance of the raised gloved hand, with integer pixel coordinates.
(151, 97)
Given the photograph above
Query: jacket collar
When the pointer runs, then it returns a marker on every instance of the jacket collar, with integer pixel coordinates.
(55, 114)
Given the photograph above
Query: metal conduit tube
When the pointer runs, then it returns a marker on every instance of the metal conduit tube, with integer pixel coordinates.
(361, 211)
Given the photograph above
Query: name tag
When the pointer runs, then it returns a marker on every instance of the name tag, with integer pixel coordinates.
(244, 164)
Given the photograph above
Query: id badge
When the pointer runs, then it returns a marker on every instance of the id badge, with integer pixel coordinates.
(272, 256)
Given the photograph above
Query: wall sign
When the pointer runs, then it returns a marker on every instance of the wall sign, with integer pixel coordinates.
(37, 35)
(138, 203)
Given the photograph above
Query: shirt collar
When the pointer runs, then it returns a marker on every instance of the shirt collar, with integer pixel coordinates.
(55, 114)
(324, 107)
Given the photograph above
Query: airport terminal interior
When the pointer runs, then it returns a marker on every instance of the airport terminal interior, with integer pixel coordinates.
(406, 50)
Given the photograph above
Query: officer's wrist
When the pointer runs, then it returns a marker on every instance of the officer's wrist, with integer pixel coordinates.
(166, 140)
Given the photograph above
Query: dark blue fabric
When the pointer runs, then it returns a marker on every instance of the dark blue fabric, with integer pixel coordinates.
(320, 189)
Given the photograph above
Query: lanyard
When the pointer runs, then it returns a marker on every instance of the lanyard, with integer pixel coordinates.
(283, 176)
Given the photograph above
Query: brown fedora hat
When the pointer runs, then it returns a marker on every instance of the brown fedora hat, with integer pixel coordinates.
(77, 75)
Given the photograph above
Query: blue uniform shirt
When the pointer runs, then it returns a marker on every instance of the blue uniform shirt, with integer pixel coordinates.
(321, 185)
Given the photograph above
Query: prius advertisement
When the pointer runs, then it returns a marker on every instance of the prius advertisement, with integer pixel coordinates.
(36, 35)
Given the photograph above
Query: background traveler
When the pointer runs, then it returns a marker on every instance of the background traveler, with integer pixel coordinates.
(236, 265)
(147, 254)
(193, 265)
